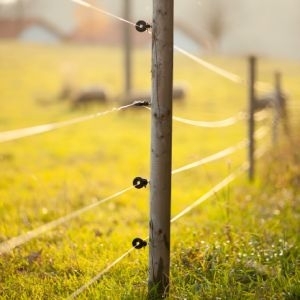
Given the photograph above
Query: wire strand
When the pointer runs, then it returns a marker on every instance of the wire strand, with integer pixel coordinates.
(12, 243)
(212, 124)
(86, 4)
(212, 157)
(99, 275)
(30, 131)
(260, 152)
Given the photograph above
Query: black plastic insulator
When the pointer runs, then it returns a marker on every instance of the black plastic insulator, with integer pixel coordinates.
(139, 182)
(142, 26)
(138, 243)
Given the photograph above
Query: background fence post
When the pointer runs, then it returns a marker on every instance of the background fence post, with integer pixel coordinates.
(282, 107)
(161, 148)
(251, 110)
(127, 49)
(277, 107)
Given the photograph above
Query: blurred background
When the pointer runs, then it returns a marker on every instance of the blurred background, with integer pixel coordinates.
(265, 28)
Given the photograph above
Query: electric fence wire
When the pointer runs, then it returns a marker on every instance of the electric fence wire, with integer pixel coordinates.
(34, 130)
(86, 4)
(24, 238)
(220, 71)
(210, 193)
(15, 134)
(218, 187)
(212, 124)
(14, 242)
(11, 135)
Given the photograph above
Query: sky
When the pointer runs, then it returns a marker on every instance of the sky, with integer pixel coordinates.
(7, 1)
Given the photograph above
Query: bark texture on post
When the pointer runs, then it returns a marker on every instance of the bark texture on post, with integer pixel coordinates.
(161, 148)
(251, 109)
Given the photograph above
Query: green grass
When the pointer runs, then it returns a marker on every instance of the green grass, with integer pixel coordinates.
(240, 244)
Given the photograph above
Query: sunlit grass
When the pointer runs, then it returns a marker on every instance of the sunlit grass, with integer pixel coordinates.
(47, 176)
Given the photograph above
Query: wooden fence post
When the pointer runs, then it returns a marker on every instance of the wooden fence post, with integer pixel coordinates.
(127, 49)
(251, 111)
(280, 101)
(161, 148)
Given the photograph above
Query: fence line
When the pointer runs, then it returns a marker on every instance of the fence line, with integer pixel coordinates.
(210, 193)
(212, 124)
(15, 134)
(88, 5)
(14, 242)
(262, 86)
(26, 237)
(212, 157)
(218, 187)
(22, 239)
(30, 131)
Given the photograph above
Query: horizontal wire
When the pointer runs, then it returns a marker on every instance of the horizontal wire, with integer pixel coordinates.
(262, 86)
(43, 128)
(210, 193)
(215, 189)
(261, 115)
(220, 185)
(24, 238)
(212, 157)
(99, 275)
(212, 124)
(196, 203)
(30, 131)
(86, 4)
(226, 74)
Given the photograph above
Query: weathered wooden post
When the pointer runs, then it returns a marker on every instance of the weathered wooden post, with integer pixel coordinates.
(251, 111)
(127, 49)
(277, 107)
(161, 148)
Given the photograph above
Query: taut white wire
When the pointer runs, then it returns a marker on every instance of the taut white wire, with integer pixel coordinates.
(99, 275)
(212, 124)
(29, 131)
(24, 238)
(196, 203)
(231, 76)
(86, 4)
(212, 157)
(210, 193)
(222, 72)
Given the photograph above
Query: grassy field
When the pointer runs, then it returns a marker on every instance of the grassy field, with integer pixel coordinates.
(242, 243)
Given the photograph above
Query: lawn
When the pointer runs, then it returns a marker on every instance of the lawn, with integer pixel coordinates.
(242, 243)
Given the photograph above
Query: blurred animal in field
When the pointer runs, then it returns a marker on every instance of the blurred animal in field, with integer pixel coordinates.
(179, 93)
(77, 97)
(87, 96)
(270, 101)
